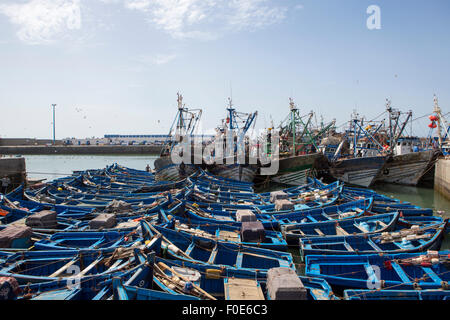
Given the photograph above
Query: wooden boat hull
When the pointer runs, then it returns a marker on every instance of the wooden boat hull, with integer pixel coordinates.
(166, 170)
(375, 270)
(397, 295)
(370, 224)
(357, 171)
(360, 245)
(318, 289)
(295, 171)
(405, 169)
(237, 172)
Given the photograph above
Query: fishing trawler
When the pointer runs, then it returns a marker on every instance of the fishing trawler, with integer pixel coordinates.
(179, 141)
(363, 165)
(234, 160)
(408, 160)
(298, 155)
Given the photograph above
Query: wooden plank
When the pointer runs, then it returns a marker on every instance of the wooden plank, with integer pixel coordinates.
(320, 233)
(384, 225)
(63, 268)
(243, 289)
(89, 267)
(364, 230)
(341, 232)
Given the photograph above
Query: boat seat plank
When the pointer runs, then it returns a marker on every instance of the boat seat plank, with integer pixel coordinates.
(364, 230)
(319, 232)
(341, 232)
(63, 268)
(381, 223)
(243, 289)
(432, 275)
(400, 272)
(213, 255)
(349, 247)
(89, 267)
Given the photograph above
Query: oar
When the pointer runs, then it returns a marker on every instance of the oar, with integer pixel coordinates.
(168, 241)
(206, 294)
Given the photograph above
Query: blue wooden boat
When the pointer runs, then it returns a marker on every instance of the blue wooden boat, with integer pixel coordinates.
(404, 209)
(324, 197)
(225, 196)
(50, 270)
(403, 241)
(197, 215)
(404, 271)
(95, 287)
(273, 240)
(62, 211)
(212, 279)
(87, 240)
(127, 292)
(397, 294)
(216, 182)
(349, 210)
(409, 221)
(357, 226)
(206, 251)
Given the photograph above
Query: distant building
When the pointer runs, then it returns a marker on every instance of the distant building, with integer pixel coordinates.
(129, 139)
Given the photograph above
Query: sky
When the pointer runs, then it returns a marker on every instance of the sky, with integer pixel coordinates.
(115, 66)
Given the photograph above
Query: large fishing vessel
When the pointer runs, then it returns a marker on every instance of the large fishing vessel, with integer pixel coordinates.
(409, 159)
(298, 148)
(233, 161)
(179, 141)
(366, 158)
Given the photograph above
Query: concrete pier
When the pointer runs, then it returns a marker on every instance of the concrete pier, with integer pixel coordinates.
(76, 150)
(442, 177)
(15, 169)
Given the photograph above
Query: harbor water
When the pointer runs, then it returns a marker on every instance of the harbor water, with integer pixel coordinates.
(55, 166)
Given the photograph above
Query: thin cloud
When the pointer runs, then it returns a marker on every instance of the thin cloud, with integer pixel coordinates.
(42, 21)
(188, 19)
(157, 59)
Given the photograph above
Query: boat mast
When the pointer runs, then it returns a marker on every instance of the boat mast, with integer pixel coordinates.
(389, 111)
(180, 121)
(293, 124)
(437, 111)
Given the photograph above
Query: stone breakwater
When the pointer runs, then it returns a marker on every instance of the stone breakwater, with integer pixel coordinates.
(75, 150)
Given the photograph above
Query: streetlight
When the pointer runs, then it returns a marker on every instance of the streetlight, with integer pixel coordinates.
(54, 105)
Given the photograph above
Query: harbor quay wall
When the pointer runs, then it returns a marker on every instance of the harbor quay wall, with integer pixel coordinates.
(442, 177)
(77, 150)
(27, 142)
(14, 169)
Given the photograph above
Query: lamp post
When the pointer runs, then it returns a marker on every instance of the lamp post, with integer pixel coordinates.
(54, 105)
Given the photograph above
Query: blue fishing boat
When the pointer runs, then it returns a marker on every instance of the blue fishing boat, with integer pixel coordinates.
(434, 295)
(271, 240)
(416, 239)
(214, 280)
(207, 251)
(87, 240)
(357, 226)
(127, 292)
(40, 271)
(405, 271)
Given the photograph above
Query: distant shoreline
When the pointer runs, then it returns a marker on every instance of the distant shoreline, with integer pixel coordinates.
(84, 150)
